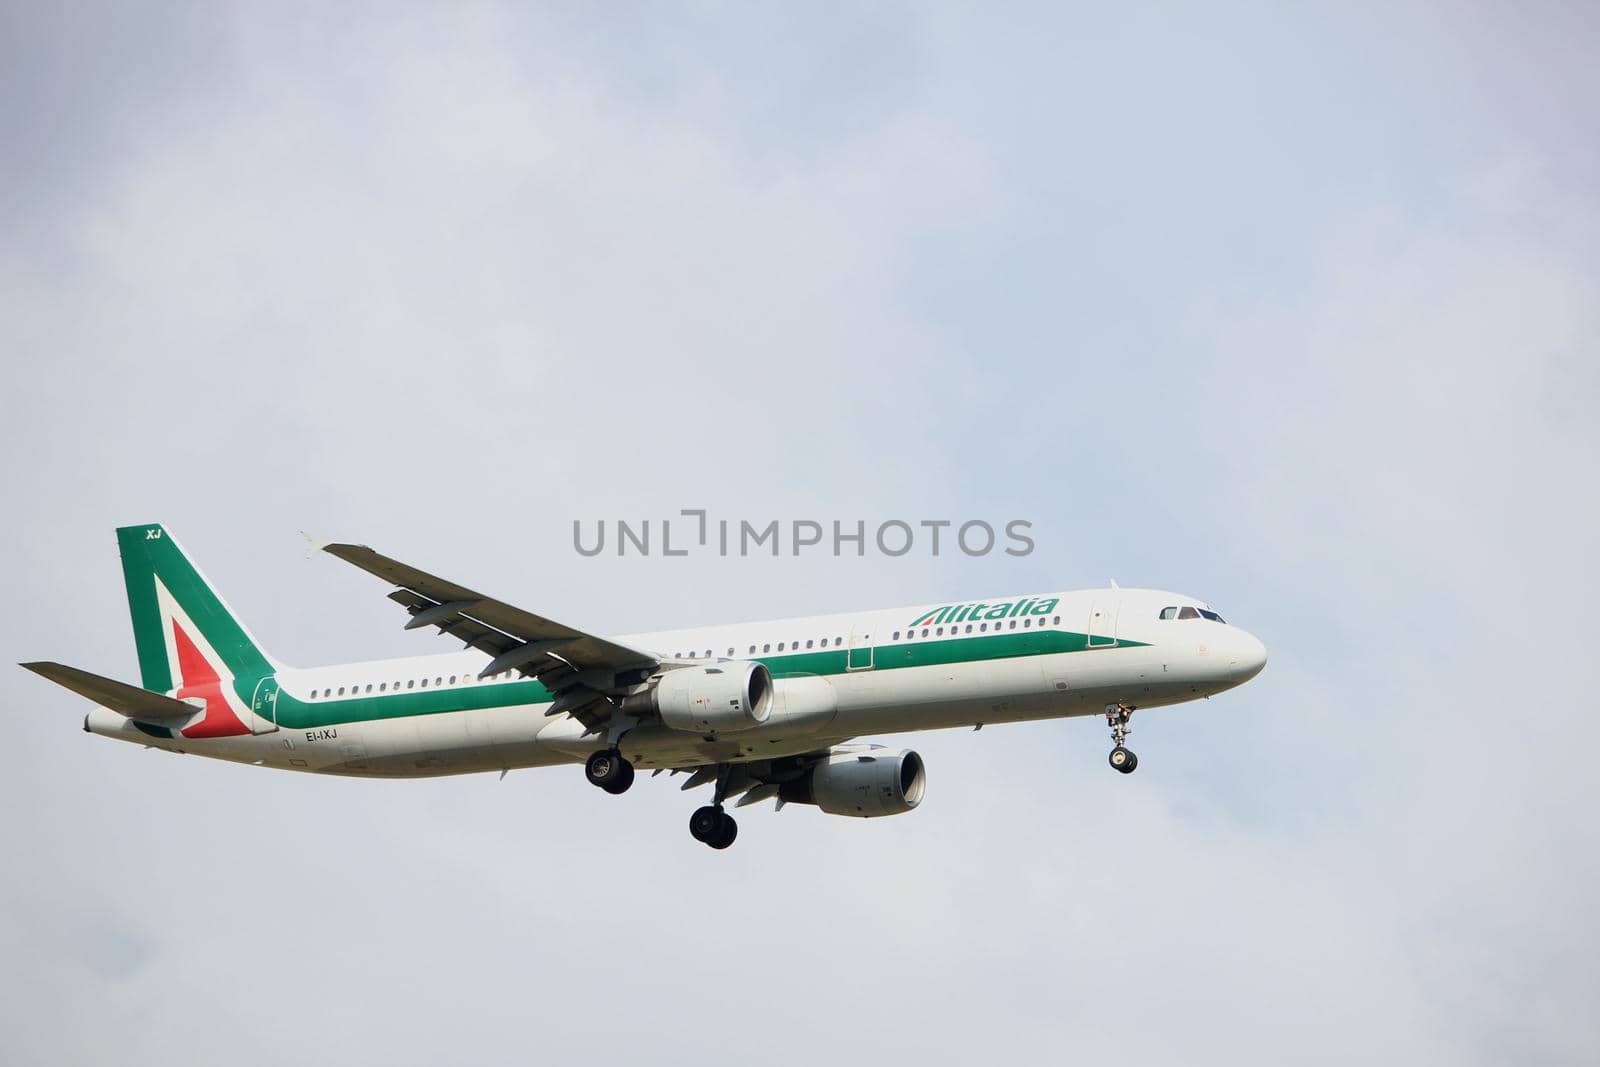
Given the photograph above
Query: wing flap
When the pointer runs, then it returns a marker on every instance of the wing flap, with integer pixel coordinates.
(483, 622)
(120, 697)
(586, 674)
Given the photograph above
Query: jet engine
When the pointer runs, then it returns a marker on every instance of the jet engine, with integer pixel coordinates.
(863, 782)
(715, 698)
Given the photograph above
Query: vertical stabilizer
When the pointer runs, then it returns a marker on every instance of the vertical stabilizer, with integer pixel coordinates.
(178, 617)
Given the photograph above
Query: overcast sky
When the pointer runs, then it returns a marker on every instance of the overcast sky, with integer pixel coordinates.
(1292, 312)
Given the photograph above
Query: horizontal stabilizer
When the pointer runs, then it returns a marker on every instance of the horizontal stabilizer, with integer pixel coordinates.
(120, 697)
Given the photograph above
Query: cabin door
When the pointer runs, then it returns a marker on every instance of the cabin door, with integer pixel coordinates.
(1102, 629)
(265, 706)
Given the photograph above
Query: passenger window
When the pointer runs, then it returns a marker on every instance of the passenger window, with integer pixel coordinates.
(766, 648)
(1056, 621)
(424, 683)
(809, 643)
(752, 650)
(1188, 613)
(969, 627)
(1169, 613)
(341, 690)
(383, 687)
(730, 652)
(369, 687)
(983, 627)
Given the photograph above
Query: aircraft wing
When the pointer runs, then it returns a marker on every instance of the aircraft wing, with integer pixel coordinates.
(120, 697)
(579, 668)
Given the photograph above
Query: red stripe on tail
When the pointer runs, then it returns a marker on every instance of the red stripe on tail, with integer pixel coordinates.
(200, 680)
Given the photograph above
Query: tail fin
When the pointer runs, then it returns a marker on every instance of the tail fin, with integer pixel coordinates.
(177, 615)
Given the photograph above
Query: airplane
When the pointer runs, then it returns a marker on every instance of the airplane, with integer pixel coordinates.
(759, 710)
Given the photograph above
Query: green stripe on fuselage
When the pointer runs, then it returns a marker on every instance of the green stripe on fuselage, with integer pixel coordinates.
(294, 714)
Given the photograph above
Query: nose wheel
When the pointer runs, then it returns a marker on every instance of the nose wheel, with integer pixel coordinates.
(1122, 757)
(608, 770)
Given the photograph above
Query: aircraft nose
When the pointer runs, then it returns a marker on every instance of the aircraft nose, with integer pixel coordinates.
(1249, 656)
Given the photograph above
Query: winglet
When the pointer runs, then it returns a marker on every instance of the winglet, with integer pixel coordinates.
(313, 544)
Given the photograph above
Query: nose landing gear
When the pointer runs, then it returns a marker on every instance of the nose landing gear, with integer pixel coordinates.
(1122, 758)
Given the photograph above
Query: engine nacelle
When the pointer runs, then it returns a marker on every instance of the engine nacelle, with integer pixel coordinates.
(865, 783)
(714, 698)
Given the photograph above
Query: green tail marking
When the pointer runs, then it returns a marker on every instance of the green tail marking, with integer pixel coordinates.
(149, 554)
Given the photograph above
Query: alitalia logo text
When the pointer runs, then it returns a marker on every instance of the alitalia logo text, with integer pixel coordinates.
(1008, 609)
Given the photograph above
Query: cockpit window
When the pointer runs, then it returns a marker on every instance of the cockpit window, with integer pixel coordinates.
(1191, 613)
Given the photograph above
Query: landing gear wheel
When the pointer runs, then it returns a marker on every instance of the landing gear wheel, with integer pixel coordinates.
(620, 786)
(706, 822)
(608, 770)
(712, 826)
(1122, 757)
(727, 830)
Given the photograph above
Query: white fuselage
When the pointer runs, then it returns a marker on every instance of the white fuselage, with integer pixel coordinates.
(836, 677)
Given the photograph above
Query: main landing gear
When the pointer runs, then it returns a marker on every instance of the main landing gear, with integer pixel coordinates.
(1122, 757)
(711, 825)
(608, 770)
